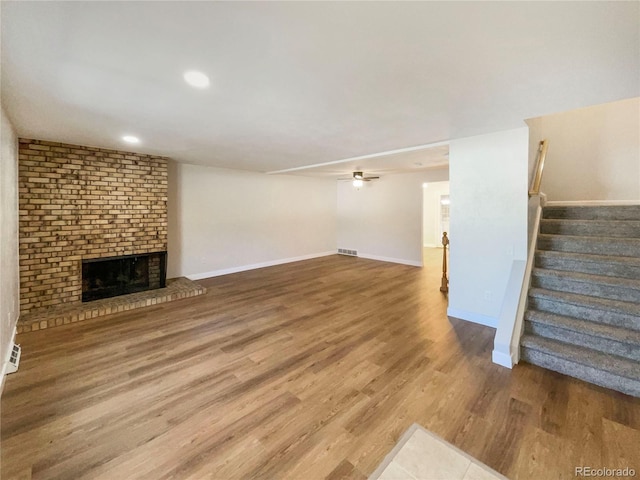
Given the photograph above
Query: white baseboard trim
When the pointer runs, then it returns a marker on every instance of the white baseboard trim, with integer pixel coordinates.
(591, 203)
(244, 268)
(502, 359)
(5, 361)
(473, 317)
(390, 259)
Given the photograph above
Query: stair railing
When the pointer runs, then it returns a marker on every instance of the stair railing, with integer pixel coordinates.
(537, 179)
(444, 284)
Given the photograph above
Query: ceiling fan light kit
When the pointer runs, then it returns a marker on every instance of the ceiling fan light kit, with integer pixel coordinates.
(358, 179)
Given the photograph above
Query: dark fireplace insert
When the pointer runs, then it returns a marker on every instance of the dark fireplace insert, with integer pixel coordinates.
(113, 276)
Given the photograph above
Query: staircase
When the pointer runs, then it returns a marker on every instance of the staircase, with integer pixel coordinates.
(583, 316)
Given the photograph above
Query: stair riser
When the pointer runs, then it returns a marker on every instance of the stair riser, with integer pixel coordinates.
(617, 319)
(584, 288)
(597, 247)
(576, 370)
(630, 212)
(605, 345)
(599, 230)
(596, 268)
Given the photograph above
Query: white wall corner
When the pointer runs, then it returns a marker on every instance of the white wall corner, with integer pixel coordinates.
(481, 212)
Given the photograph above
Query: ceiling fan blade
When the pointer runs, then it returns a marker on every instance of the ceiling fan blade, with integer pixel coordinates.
(358, 176)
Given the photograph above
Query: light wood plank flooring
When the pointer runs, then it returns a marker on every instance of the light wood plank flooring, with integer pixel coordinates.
(308, 370)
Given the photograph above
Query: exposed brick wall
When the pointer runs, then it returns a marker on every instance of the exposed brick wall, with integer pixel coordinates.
(82, 202)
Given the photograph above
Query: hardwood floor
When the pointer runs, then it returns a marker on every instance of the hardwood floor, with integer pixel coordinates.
(308, 370)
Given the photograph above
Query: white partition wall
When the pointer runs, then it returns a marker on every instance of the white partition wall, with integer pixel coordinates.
(223, 221)
(9, 272)
(488, 183)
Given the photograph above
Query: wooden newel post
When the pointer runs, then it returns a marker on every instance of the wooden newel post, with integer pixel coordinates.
(444, 286)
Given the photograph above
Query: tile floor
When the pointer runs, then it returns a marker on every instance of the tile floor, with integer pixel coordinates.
(421, 455)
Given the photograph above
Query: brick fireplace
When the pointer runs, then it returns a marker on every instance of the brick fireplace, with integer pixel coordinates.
(82, 203)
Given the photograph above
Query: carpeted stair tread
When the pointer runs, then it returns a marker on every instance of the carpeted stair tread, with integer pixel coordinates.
(602, 369)
(609, 265)
(604, 228)
(626, 247)
(610, 363)
(609, 212)
(593, 329)
(619, 306)
(602, 286)
(589, 278)
(592, 258)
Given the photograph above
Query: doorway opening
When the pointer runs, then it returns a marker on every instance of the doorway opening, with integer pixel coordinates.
(435, 213)
(435, 222)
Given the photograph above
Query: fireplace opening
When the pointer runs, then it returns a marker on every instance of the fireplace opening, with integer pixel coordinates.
(113, 276)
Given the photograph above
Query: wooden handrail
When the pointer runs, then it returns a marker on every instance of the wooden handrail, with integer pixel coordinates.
(542, 155)
(444, 285)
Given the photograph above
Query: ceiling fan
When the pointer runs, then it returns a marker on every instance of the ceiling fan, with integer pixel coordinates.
(359, 179)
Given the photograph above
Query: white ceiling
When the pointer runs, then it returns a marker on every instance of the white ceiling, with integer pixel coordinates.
(301, 83)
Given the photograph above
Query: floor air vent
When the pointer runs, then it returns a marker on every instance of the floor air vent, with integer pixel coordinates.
(14, 359)
(344, 251)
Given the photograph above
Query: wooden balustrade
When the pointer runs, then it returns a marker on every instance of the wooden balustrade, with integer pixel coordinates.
(444, 285)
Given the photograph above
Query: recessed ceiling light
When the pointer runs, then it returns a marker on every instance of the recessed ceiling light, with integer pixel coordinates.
(196, 79)
(131, 139)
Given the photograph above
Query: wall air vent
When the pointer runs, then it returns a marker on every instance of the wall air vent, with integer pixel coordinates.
(344, 251)
(14, 359)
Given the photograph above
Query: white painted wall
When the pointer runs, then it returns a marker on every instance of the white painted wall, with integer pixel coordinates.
(488, 182)
(594, 152)
(432, 192)
(223, 221)
(383, 219)
(9, 270)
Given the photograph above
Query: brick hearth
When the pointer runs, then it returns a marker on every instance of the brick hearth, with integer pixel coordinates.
(176, 289)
